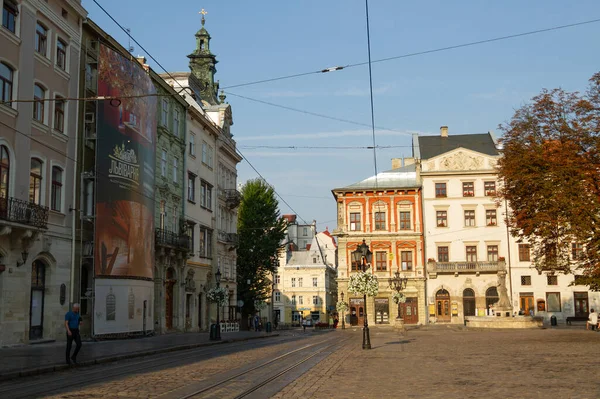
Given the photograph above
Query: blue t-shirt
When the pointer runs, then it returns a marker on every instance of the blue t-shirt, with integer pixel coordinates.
(73, 318)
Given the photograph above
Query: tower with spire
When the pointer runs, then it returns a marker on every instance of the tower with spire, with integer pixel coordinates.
(203, 66)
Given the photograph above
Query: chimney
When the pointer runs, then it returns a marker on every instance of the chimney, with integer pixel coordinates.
(141, 59)
(396, 163)
(444, 131)
(409, 161)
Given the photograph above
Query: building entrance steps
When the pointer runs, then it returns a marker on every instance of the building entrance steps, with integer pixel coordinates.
(25, 360)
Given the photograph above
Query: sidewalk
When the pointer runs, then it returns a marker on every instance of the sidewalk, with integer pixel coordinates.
(44, 358)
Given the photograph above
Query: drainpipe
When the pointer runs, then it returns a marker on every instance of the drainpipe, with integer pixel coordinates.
(508, 255)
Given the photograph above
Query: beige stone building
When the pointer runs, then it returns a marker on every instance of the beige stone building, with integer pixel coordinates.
(39, 60)
(305, 283)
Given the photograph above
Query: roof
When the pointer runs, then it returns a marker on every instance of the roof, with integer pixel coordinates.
(403, 177)
(432, 146)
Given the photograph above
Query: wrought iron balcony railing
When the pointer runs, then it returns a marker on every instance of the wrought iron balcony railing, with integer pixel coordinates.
(233, 198)
(227, 238)
(19, 211)
(166, 238)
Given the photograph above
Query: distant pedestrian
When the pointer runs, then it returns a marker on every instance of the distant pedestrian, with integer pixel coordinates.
(72, 323)
(256, 323)
(592, 320)
(304, 323)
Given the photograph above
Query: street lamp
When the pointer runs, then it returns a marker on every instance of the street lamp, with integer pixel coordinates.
(363, 256)
(218, 280)
(398, 284)
(343, 315)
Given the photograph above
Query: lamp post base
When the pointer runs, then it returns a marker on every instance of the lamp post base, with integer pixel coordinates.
(366, 338)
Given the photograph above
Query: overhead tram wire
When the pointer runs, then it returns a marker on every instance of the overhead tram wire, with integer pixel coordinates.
(408, 55)
(179, 84)
(371, 91)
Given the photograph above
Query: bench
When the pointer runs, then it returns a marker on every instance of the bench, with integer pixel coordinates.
(576, 318)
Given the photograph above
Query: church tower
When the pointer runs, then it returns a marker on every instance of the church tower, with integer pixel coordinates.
(203, 66)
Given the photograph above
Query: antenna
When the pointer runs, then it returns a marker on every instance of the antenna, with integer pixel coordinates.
(130, 47)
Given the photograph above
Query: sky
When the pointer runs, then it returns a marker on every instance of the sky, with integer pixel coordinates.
(471, 90)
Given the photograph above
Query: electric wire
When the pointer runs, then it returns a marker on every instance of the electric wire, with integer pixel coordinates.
(371, 90)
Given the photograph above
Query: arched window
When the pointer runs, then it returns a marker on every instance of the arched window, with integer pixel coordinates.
(4, 172)
(6, 82)
(468, 293)
(469, 302)
(491, 296)
(39, 95)
(35, 181)
(57, 178)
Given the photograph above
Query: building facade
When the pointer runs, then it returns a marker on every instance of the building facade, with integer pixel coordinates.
(385, 211)
(39, 60)
(298, 236)
(305, 284)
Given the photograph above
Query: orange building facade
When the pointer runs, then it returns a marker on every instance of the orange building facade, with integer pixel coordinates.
(385, 211)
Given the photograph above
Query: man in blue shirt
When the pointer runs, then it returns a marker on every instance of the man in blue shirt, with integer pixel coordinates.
(72, 322)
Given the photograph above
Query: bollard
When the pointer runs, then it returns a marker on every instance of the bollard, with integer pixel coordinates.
(553, 322)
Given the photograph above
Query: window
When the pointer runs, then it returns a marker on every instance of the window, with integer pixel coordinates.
(293, 299)
(210, 157)
(300, 300)
(440, 190)
(205, 242)
(6, 82)
(490, 188)
(277, 296)
(355, 221)
(314, 260)
(176, 122)
(277, 279)
(175, 223)
(492, 253)
(443, 254)
(4, 178)
(9, 15)
(191, 187)
(490, 217)
(39, 94)
(576, 251)
(468, 189)
(315, 281)
(380, 261)
(61, 54)
(164, 114)
(525, 280)
(41, 37)
(175, 170)
(471, 253)
(405, 222)
(491, 297)
(442, 218)
(163, 163)
(163, 214)
(293, 281)
(406, 259)
(190, 234)
(206, 191)
(469, 218)
(305, 231)
(204, 153)
(192, 145)
(379, 220)
(35, 181)
(553, 301)
(315, 300)
(55, 203)
(299, 281)
(552, 280)
(524, 253)
(59, 114)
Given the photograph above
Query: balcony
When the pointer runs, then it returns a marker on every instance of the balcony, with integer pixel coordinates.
(227, 238)
(232, 198)
(23, 212)
(456, 268)
(166, 238)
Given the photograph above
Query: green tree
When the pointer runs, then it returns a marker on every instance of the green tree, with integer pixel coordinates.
(551, 179)
(261, 230)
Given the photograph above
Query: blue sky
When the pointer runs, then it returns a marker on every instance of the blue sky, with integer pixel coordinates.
(472, 90)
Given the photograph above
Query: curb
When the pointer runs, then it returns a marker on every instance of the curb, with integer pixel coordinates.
(113, 358)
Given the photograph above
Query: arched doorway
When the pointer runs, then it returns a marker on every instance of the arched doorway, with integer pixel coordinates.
(442, 305)
(357, 311)
(169, 297)
(469, 302)
(491, 297)
(36, 305)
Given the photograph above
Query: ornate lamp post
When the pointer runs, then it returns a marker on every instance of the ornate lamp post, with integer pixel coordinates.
(398, 284)
(218, 280)
(363, 256)
(343, 315)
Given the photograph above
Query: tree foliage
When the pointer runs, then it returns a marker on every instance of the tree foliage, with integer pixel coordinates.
(261, 231)
(551, 179)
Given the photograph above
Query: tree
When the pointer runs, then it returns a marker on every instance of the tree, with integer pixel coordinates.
(551, 180)
(261, 231)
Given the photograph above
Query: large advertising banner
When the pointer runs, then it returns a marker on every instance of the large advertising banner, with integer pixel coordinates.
(125, 160)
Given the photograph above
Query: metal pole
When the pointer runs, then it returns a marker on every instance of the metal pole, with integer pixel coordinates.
(218, 332)
(366, 336)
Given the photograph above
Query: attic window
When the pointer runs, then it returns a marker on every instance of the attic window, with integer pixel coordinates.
(65, 14)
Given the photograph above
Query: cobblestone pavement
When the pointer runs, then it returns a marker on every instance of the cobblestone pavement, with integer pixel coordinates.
(457, 363)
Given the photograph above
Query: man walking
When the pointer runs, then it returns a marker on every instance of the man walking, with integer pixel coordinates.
(592, 321)
(72, 322)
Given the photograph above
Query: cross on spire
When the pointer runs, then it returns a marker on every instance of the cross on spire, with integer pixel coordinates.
(203, 12)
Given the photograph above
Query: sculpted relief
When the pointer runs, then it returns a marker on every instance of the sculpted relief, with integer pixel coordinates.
(461, 161)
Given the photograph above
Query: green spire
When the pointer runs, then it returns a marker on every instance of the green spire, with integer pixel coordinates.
(203, 65)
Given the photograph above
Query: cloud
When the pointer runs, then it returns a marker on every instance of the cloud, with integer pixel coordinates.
(327, 135)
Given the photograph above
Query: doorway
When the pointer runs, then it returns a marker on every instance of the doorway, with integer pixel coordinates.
(442, 304)
(526, 302)
(36, 306)
(357, 311)
(200, 311)
(581, 304)
(169, 284)
(469, 302)
(409, 310)
(382, 310)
